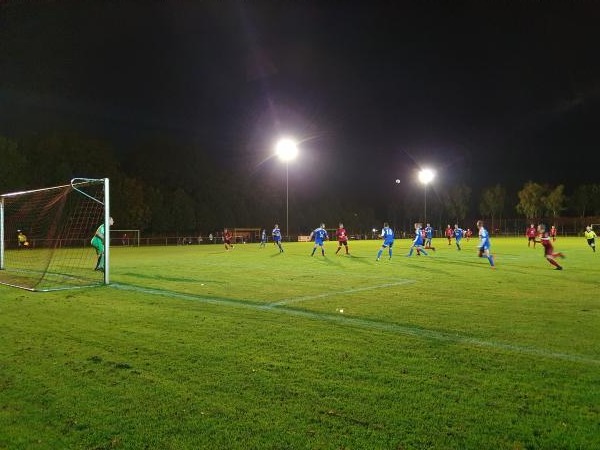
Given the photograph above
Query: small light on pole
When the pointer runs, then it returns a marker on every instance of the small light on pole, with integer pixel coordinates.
(287, 149)
(425, 177)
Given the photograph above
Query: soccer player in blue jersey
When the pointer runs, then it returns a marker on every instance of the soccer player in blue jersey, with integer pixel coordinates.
(276, 233)
(429, 237)
(418, 241)
(388, 240)
(263, 238)
(484, 243)
(320, 235)
(458, 235)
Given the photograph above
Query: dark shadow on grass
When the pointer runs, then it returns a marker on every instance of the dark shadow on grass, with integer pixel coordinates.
(361, 259)
(160, 277)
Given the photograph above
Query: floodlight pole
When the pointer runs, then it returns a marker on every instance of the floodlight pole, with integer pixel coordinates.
(287, 200)
(287, 149)
(425, 203)
(425, 177)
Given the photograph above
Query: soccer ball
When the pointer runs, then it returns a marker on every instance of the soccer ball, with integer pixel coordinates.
(398, 181)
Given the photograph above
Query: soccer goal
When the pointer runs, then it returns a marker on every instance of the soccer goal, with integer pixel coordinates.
(58, 224)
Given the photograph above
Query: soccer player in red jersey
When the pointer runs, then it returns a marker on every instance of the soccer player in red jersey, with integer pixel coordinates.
(227, 237)
(449, 233)
(553, 233)
(531, 234)
(342, 239)
(549, 253)
(468, 234)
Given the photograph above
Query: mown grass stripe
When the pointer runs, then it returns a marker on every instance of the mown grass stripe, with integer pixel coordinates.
(289, 301)
(367, 323)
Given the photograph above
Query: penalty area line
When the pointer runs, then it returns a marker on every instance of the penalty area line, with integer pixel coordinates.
(412, 331)
(288, 301)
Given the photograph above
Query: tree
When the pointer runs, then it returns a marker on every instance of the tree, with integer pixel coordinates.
(13, 169)
(457, 200)
(129, 206)
(531, 200)
(57, 158)
(493, 201)
(182, 212)
(586, 200)
(554, 200)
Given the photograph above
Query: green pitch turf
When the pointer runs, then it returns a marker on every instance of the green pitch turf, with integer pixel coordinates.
(195, 347)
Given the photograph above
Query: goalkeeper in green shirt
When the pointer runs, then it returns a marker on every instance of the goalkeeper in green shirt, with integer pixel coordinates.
(98, 243)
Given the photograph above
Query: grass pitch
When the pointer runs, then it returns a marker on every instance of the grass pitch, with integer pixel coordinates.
(195, 347)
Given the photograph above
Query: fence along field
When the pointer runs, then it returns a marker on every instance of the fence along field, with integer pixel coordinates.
(195, 347)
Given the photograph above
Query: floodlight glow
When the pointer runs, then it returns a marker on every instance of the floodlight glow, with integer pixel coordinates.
(286, 149)
(426, 176)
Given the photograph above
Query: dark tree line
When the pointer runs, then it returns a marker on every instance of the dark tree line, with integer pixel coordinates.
(163, 187)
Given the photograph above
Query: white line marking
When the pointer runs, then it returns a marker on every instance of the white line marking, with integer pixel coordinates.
(287, 301)
(370, 324)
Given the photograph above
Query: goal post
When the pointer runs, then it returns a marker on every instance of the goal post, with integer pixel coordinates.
(45, 236)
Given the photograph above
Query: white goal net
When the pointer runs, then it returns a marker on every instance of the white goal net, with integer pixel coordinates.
(45, 236)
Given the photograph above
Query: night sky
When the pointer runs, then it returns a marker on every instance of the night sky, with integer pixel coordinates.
(484, 92)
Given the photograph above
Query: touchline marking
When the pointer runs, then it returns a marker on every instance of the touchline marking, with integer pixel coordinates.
(287, 301)
(368, 324)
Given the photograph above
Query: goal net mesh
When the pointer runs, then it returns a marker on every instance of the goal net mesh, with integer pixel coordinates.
(58, 224)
